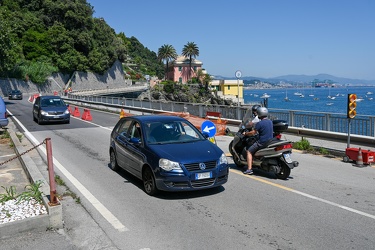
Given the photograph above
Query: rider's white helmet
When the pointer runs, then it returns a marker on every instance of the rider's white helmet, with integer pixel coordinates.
(262, 112)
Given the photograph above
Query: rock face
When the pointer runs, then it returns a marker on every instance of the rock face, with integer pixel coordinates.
(192, 93)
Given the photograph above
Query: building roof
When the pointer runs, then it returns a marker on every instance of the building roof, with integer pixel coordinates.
(185, 60)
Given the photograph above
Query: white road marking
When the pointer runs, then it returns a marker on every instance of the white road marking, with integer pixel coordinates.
(85, 192)
(307, 195)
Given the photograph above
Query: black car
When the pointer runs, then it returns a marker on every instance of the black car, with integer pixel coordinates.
(15, 95)
(167, 153)
(50, 109)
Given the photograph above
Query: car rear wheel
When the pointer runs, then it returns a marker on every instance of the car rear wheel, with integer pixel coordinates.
(149, 182)
(113, 161)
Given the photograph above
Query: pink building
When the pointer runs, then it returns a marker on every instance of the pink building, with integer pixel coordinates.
(178, 70)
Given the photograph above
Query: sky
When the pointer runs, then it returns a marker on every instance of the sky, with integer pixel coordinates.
(261, 38)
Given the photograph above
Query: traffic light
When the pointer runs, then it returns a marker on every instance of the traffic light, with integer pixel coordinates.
(352, 105)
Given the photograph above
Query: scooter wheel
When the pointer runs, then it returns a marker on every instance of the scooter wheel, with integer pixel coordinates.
(230, 148)
(284, 173)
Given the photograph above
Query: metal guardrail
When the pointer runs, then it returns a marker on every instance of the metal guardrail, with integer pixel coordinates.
(361, 125)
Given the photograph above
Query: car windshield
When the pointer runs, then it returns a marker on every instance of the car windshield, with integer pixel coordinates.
(171, 132)
(53, 102)
(16, 92)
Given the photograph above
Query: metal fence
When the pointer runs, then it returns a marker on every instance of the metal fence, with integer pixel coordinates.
(360, 125)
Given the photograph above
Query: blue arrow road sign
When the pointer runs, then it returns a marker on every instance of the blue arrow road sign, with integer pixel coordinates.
(209, 128)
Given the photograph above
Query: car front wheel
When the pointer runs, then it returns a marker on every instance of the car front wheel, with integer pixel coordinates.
(149, 182)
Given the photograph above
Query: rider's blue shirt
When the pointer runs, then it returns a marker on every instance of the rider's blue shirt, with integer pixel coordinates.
(265, 130)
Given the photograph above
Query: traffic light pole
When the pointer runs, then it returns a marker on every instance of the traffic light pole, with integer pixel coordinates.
(348, 144)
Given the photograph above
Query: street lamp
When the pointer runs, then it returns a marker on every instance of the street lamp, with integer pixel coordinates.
(238, 76)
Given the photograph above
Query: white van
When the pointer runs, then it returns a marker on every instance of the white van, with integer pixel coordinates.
(3, 114)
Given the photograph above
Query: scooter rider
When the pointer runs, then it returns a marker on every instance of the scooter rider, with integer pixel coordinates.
(255, 119)
(264, 128)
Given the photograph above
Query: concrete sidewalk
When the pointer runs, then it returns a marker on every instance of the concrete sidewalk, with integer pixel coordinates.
(78, 230)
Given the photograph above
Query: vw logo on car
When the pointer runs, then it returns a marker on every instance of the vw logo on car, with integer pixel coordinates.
(202, 166)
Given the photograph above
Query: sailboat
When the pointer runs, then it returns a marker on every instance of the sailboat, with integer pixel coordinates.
(329, 94)
(286, 96)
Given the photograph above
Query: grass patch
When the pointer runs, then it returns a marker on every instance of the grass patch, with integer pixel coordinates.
(32, 191)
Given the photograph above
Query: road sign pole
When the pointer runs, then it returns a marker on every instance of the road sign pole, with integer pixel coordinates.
(348, 144)
(238, 75)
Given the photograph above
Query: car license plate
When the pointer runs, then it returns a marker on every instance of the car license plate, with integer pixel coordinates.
(204, 175)
(287, 158)
(56, 117)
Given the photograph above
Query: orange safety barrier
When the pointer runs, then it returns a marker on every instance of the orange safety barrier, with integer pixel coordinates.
(122, 113)
(69, 109)
(33, 97)
(86, 115)
(76, 112)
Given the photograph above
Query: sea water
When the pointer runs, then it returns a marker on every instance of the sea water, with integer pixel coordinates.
(315, 99)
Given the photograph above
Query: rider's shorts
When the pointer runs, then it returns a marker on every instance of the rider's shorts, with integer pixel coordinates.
(254, 147)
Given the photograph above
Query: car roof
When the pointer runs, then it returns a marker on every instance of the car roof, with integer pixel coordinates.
(49, 97)
(156, 118)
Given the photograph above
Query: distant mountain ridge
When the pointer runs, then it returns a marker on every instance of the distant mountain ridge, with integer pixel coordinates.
(304, 79)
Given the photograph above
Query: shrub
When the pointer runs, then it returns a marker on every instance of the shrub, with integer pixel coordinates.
(303, 144)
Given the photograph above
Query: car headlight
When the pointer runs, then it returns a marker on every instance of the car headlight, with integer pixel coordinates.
(66, 112)
(223, 159)
(168, 165)
(42, 112)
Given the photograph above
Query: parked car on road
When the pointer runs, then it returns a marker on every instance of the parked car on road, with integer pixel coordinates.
(15, 94)
(48, 109)
(3, 114)
(167, 153)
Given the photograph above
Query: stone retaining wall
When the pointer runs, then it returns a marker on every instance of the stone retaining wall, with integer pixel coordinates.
(113, 78)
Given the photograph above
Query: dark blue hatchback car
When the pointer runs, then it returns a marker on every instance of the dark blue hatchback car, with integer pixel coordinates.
(167, 153)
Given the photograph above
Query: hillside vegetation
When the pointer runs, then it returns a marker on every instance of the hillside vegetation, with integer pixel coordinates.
(40, 37)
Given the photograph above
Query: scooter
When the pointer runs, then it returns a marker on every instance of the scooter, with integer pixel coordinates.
(274, 156)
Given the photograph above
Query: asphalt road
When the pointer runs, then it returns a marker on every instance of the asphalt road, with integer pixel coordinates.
(325, 204)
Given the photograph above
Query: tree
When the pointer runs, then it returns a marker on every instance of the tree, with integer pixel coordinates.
(166, 52)
(190, 50)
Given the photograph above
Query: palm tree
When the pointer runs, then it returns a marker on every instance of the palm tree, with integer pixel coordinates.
(190, 50)
(166, 52)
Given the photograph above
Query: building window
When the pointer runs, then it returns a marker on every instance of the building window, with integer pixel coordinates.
(179, 68)
(180, 80)
(228, 87)
(195, 68)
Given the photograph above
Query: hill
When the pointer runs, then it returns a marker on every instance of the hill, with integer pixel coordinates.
(43, 37)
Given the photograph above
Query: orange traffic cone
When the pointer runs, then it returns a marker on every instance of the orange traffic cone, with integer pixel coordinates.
(122, 113)
(359, 162)
(86, 115)
(76, 112)
(31, 99)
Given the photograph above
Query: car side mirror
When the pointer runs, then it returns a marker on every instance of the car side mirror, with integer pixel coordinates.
(206, 135)
(135, 141)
